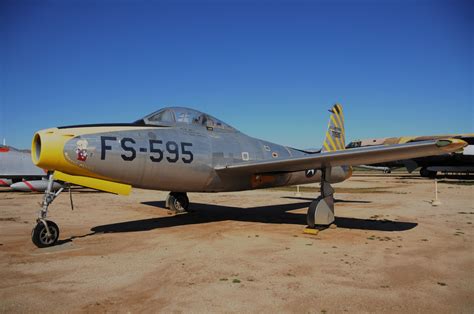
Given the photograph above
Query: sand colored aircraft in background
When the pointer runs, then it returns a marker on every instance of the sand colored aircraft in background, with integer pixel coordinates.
(183, 150)
(461, 162)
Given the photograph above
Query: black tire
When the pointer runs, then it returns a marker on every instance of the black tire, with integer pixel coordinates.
(178, 202)
(39, 234)
(427, 173)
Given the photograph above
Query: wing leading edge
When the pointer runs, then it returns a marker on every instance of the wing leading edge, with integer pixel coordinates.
(349, 157)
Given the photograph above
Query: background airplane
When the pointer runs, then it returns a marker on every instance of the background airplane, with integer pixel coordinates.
(18, 171)
(183, 150)
(456, 162)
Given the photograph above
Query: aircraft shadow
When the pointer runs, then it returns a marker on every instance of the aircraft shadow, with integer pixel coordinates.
(373, 224)
(274, 214)
(335, 200)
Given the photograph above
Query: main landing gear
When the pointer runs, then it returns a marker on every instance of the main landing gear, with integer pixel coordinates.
(46, 232)
(177, 202)
(321, 210)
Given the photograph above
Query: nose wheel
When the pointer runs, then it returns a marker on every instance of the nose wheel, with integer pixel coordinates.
(177, 202)
(46, 232)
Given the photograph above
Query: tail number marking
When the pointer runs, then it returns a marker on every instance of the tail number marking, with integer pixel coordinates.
(173, 150)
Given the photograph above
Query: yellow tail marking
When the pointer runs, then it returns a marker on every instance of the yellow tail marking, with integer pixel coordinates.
(340, 123)
(331, 141)
(98, 184)
(338, 140)
(338, 118)
(334, 121)
(326, 146)
(341, 115)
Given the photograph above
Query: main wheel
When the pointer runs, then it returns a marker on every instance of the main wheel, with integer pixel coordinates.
(178, 202)
(40, 237)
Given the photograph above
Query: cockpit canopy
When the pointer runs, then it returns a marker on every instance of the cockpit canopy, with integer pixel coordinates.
(179, 115)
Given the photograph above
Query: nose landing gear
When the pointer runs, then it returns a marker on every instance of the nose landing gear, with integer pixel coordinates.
(46, 232)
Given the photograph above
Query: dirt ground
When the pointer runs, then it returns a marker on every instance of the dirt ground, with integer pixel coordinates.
(245, 252)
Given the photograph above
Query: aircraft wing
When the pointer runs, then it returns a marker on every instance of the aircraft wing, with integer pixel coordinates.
(348, 157)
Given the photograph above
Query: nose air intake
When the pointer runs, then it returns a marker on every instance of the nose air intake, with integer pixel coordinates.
(47, 148)
(36, 149)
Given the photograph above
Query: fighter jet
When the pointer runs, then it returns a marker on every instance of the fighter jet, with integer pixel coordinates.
(458, 162)
(183, 150)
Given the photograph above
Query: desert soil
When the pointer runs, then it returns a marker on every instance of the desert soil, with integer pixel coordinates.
(244, 252)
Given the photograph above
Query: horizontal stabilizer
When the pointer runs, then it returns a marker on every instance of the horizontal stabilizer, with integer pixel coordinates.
(348, 157)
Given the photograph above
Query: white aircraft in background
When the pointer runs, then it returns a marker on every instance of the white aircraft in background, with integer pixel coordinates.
(18, 172)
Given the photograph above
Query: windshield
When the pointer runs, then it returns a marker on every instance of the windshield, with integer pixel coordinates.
(181, 115)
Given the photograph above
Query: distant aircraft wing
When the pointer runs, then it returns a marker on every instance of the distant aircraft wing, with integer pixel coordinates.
(349, 157)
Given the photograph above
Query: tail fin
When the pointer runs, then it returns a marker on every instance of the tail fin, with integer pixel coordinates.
(335, 136)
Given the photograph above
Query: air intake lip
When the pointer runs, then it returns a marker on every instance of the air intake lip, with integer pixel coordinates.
(36, 149)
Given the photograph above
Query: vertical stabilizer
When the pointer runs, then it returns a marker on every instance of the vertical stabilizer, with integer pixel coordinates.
(335, 135)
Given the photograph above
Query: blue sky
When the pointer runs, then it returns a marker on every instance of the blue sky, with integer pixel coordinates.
(270, 69)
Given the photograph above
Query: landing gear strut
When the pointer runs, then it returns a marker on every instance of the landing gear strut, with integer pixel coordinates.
(177, 202)
(321, 210)
(46, 232)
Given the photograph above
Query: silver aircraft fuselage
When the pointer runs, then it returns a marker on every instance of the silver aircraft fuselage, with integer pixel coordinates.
(183, 158)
